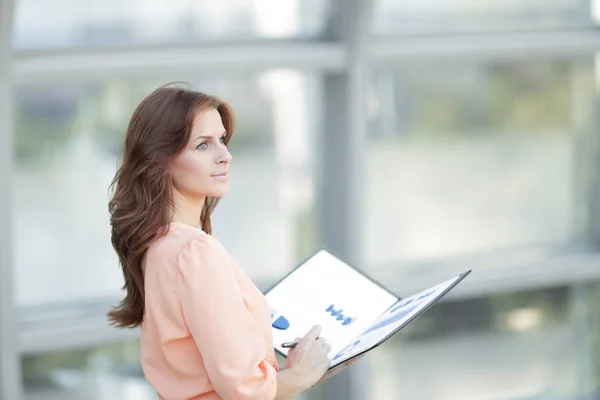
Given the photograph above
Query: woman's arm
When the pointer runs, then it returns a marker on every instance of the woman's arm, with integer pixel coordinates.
(289, 384)
(232, 346)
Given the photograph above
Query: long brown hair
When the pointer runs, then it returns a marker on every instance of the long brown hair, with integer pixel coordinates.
(142, 198)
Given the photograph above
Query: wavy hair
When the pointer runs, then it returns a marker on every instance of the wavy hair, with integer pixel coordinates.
(141, 205)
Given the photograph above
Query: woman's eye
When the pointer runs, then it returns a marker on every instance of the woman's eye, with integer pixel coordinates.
(202, 146)
(222, 139)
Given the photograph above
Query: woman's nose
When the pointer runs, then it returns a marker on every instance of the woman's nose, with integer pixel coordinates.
(225, 156)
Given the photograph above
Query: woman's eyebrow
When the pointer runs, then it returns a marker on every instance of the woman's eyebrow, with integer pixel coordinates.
(209, 136)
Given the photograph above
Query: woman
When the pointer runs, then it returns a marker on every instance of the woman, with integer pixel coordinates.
(205, 327)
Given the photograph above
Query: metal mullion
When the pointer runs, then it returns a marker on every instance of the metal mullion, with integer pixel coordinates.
(10, 371)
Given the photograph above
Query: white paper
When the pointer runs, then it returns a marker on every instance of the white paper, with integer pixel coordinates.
(354, 312)
(395, 317)
(325, 291)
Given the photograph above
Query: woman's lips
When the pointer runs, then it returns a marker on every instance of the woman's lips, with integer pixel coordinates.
(222, 176)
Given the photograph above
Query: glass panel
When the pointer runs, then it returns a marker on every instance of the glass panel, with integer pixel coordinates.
(591, 354)
(471, 157)
(108, 372)
(66, 147)
(77, 23)
(523, 345)
(438, 16)
(509, 346)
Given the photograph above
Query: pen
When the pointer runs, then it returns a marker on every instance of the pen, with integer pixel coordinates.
(291, 345)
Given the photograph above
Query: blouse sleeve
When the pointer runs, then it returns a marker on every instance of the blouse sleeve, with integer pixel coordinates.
(229, 340)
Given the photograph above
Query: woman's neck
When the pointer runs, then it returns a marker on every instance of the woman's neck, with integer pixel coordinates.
(186, 210)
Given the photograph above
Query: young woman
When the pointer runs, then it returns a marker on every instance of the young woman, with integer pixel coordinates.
(205, 327)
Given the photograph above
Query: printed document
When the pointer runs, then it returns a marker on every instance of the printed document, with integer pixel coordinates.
(356, 314)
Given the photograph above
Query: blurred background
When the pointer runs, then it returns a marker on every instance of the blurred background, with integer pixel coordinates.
(414, 138)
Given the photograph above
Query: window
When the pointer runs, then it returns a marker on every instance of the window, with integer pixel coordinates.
(67, 142)
(470, 157)
(465, 16)
(105, 372)
(132, 22)
(533, 344)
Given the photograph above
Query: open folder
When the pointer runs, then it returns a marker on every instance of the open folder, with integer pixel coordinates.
(356, 313)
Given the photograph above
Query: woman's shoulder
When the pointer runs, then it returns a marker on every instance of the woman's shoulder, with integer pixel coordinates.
(183, 231)
(176, 238)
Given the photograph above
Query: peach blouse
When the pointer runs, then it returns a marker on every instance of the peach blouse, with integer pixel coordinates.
(206, 332)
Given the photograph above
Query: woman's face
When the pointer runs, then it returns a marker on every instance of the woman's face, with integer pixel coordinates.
(201, 170)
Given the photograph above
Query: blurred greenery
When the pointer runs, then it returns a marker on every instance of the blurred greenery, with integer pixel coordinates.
(38, 369)
(507, 98)
(43, 123)
(486, 315)
(49, 117)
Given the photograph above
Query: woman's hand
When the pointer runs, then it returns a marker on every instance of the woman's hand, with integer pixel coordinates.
(309, 358)
(337, 370)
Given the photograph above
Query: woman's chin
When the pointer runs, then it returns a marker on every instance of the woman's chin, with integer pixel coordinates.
(220, 191)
